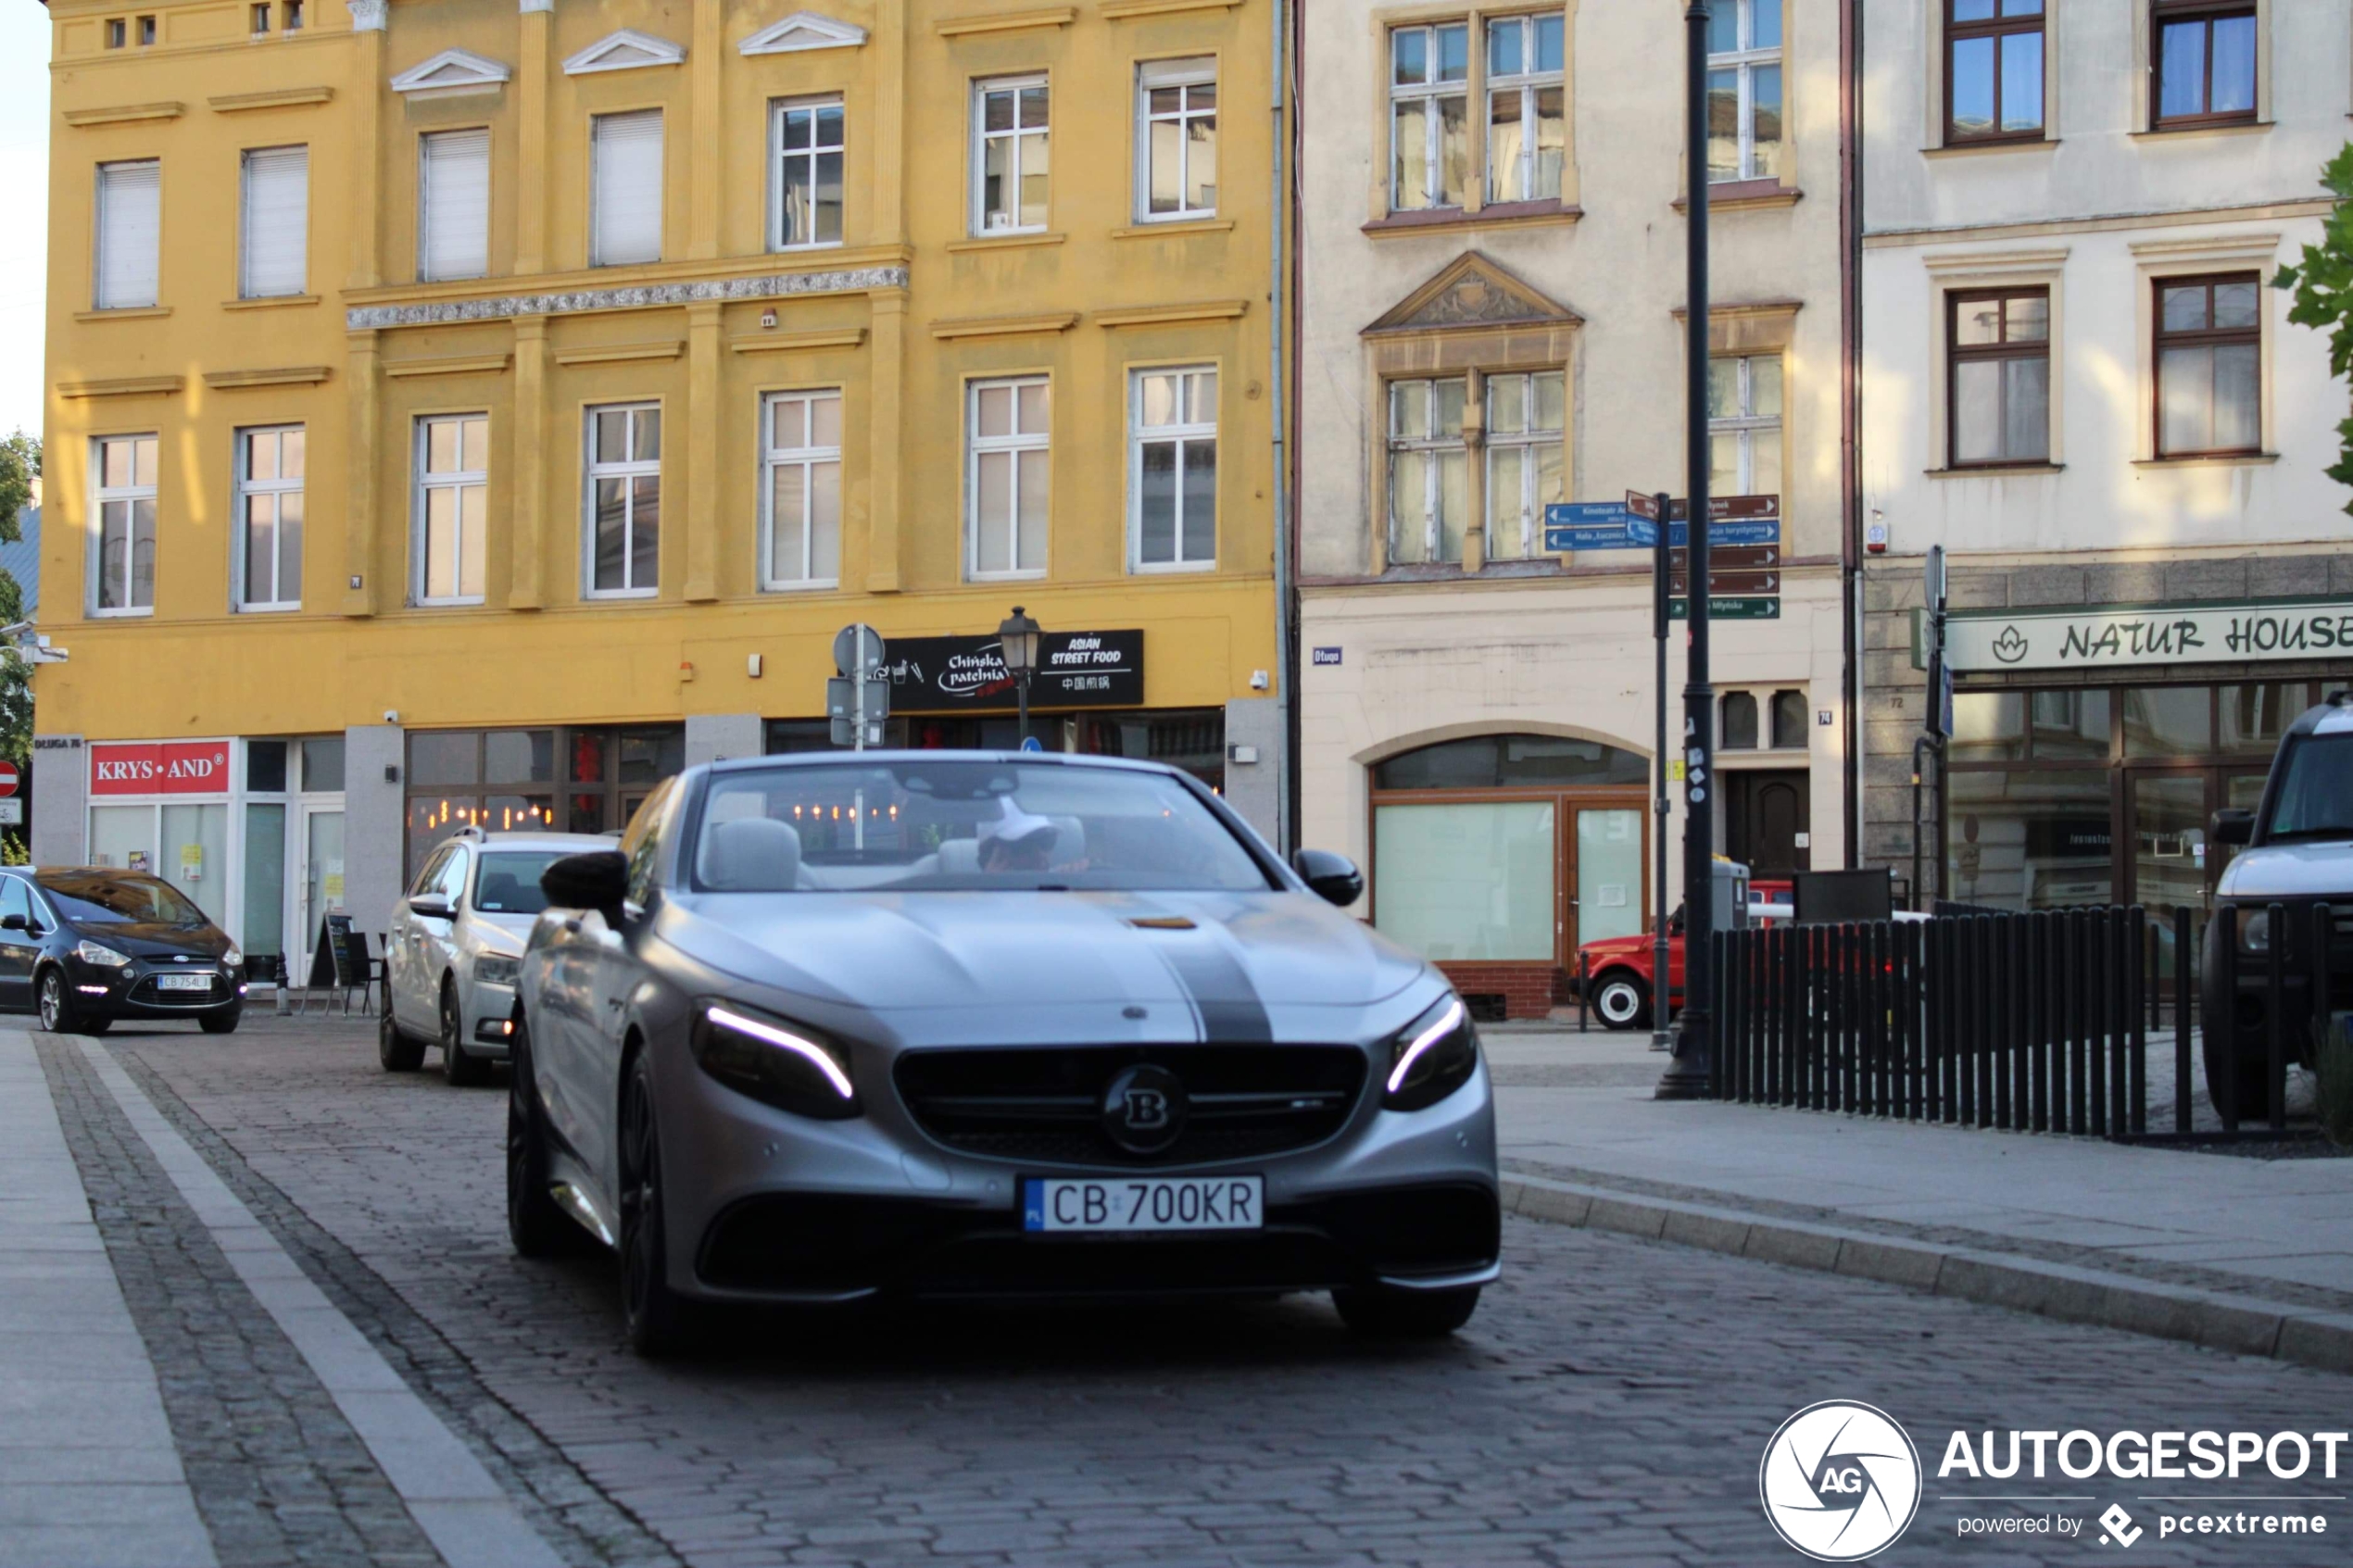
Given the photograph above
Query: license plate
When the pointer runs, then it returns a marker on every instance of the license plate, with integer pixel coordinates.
(1144, 1203)
(184, 981)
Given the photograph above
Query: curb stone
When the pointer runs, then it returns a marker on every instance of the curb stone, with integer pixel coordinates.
(2245, 1326)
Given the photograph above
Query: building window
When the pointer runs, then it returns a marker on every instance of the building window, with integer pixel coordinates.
(268, 517)
(452, 508)
(130, 234)
(1525, 416)
(261, 20)
(1005, 476)
(1788, 720)
(807, 196)
(453, 205)
(146, 30)
(1526, 121)
(118, 33)
(1744, 90)
(1745, 425)
(1739, 721)
(624, 499)
(2210, 350)
(294, 16)
(1428, 116)
(1992, 69)
(276, 227)
(625, 221)
(1011, 158)
(1172, 464)
(2205, 62)
(123, 510)
(1176, 140)
(1998, 354)
(1428, 463)
(803, 490)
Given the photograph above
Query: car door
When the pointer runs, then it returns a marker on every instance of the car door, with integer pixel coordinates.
(401, 948)
(439, 936)
(616, 970)
(18, 947)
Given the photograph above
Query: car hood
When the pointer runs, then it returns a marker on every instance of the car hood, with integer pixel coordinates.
(501, 932)
(142, 940)
(1621, 946)
(2320, 869)
(1231, 960)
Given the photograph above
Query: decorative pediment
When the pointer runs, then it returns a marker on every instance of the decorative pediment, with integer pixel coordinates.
(450, 73)
(625, 50)
(804, 29)
(1472, 291)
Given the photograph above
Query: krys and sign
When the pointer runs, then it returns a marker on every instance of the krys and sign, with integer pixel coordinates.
(169, 767)
(2107, 637)
(968, 675)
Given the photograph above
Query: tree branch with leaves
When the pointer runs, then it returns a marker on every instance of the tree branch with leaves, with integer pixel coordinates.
(2322, 285)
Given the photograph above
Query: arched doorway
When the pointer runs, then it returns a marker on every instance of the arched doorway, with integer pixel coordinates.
(1495, 856)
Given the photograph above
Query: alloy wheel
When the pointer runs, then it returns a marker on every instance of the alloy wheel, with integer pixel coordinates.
(53, 1000)
(640, 1198)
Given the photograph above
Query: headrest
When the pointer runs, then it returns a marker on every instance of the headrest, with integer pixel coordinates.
(751, 855)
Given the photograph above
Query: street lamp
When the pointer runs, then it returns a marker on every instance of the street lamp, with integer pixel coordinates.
(1017, 643)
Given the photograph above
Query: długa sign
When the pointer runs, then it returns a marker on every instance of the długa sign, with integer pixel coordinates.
(167, 767)
(2156, 636)
(968, 675)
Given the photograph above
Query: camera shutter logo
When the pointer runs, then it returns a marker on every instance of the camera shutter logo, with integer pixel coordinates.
(1841, 1480)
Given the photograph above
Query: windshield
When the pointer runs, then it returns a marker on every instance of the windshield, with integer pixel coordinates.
(119, 901)
(2315, 790)
(963, 824)
(509, 883)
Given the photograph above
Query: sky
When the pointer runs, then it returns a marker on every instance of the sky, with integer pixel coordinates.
(24, 207)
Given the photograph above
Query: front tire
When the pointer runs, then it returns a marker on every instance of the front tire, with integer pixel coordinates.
(2237, 1081)
(462, 1070)
(222, 1021)
(54, 1001)
(535, 1226)
(1622, 1001)
(394, 1049)
(655, 1315)
(1384, 1313)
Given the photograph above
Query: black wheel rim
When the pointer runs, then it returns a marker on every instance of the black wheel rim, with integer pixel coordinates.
(640, 1219)
(518, 1136)
(450, 1019)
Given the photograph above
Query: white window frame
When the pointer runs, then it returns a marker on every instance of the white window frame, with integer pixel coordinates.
(1393, 443)
(247, 487)
(1748, 425)
(100, 494)
(100, 250)
(427, 271)
(982, 136)
(1530, 506)
(247, 287)
(808, 460)
(1181, 433)
(1744, 61)
(1195, 71)
(1430, 88)
(975, 445)
(777, 157)
(1527, 83)
(628, 469)
(458, 481)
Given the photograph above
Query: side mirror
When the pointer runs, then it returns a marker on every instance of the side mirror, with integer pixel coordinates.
(1333, 878)
(2232, 826)
(596, 880)
(433, 906)
(14, 922)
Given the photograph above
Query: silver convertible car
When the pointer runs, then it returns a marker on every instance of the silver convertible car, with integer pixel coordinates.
(958, 1024)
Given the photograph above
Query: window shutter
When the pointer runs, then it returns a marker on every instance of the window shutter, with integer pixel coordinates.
(453, 206)
(627, 225)
(277, 221)
(130, 205)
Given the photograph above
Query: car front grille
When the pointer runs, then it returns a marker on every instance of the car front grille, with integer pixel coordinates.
(1043, 1105)
(148, 988)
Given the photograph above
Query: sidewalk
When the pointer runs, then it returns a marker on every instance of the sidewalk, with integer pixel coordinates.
(1576, 1118)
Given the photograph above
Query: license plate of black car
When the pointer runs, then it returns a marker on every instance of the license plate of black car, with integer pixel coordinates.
(1133, 1204)
(185, 981)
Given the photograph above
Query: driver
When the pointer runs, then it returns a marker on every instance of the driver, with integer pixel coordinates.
(1016, 841)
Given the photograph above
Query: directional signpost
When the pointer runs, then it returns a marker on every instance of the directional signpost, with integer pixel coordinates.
(1744, 548)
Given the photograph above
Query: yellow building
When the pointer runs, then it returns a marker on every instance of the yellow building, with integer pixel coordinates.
(465, 412)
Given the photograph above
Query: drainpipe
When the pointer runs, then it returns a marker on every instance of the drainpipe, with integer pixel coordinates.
(1279, 367)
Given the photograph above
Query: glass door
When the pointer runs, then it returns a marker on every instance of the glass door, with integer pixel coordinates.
(1608, 877)
(322, 892)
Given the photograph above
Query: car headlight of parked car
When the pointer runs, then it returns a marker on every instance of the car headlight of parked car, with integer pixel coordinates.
(99, 953)
(496, 969)
(789, 1066)
(2254, 931)
(1432, 1057)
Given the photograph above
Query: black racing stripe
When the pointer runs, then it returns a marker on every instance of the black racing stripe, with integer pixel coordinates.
(1217, 984)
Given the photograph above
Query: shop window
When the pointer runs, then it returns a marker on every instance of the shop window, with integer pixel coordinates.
(2031, 838)
(806, 200)
(1467, 881)
(2070, 725)
(1987, 727)
(1176, 140)
(263, 933)
(1739, 721)
(2254, 716)
(2205, 66)
(2168, 721)
(1527, 123)
(1526, 414)
(1510, 761)
(2209, 371)
(1744, 91)
(803, 494)
(1428, 465)
(1744, 424)
(1998, 359)
(1429, 117)
(322, 765)
(1788, 720)
(1992, 69)
(1011, 154)
(1171, 458)
(265, 767)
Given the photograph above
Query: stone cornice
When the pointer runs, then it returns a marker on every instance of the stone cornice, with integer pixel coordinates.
(628, 296)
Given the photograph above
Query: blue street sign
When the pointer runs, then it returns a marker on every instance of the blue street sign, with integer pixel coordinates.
(1729, 531)
(1596, 525)
(1029, 743)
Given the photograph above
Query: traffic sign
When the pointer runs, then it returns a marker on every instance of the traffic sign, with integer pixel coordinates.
(858, 649)
(1643, 504)
(1596, 525)
(841, 708)
(1722, 508)
(1730, 607)
(1730, 530)
(1679, 582)
(7, 779)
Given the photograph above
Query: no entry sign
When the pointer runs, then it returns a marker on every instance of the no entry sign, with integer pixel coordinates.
(8, 779)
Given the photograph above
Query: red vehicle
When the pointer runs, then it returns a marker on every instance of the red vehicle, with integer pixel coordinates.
(1624, 969)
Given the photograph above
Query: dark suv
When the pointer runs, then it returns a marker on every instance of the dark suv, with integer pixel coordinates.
(2298, 854)
(87, 944)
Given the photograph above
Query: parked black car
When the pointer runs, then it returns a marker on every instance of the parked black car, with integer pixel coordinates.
(87, 944)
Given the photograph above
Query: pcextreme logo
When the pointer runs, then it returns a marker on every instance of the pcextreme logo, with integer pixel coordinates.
(1841, 1480)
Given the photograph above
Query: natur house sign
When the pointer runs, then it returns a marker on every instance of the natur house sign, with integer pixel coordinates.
(2151, 636)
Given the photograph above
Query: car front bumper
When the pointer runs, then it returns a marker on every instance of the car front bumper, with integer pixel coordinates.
(105, 991)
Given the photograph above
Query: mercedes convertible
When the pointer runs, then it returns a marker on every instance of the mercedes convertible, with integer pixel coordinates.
(957, 1024)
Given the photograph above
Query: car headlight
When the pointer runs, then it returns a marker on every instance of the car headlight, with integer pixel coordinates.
(99, 953)
(496, 969)
(791, 1067)
(2254, 931)
(1432, 1057)
(234, 958)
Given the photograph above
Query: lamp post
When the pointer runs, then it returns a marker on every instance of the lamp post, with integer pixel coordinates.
(1017, 645)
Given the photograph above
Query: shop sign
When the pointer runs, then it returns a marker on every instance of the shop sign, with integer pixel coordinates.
(968, 675)
(2152, 636)
(168, 766)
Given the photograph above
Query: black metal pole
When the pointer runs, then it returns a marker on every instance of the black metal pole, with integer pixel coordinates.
(1021, 690)
(1660, 811)
(2183, 947)
(1687, 1074)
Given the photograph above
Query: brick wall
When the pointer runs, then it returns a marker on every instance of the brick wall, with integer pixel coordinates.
(1528, 990)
